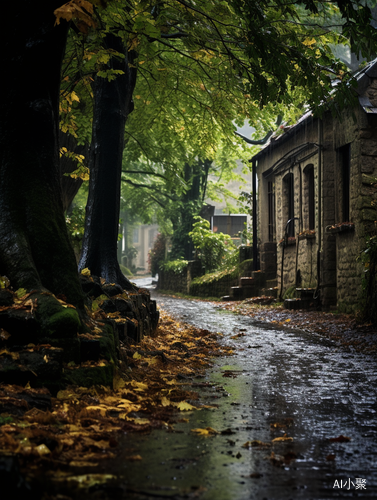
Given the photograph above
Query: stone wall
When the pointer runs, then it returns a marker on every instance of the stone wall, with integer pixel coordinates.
(330, 244)
(307, 261)
(297, 157)
(214, 288)
(268, 262)
(171, 281)
(179, 281)
(326, 249)
(349, 274)
(350, 241)
(299, 260)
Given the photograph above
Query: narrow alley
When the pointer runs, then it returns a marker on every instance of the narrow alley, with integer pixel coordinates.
(296, 418)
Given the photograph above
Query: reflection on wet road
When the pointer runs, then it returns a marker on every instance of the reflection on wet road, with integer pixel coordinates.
(279, 383)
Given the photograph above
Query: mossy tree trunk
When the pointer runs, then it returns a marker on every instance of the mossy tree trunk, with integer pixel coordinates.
(35, 252)
(112, 105)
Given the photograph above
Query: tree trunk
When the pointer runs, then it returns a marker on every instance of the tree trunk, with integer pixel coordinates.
(35, 252)
(112, 105)
(196, 176)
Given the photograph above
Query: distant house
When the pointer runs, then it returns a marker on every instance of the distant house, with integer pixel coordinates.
(143, 237)
(135, 243)
(317, 199)
(231, 224)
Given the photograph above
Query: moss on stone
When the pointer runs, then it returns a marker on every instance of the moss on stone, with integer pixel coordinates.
(346, 308)
(89, 376)
(216, 276)
(107, 343)
(368, 179)
(55, 320)
(214, 284)
(246, 266)
(369, 214)
(365, 201)
(219, 282)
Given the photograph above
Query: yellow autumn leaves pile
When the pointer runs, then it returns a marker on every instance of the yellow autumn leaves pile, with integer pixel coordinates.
(83, 427)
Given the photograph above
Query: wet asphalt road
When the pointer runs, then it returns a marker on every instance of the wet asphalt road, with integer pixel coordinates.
(277, 377)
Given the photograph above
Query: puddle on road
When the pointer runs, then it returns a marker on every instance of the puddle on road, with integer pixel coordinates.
(276, 377)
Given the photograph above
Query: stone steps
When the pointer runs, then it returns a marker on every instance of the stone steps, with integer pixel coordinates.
(273, 283)
(306, 300)
(270, 292)
(249, 286)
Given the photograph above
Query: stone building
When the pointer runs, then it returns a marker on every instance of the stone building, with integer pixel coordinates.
(316, 200)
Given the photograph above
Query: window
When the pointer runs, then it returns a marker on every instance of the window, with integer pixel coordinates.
(135, 235)
(344, 159)
(289, 203)
(309, 197)
(271, 210)
(152, 234)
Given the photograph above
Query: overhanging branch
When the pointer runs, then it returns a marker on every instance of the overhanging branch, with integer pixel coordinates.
(265, 139)
(146, 186)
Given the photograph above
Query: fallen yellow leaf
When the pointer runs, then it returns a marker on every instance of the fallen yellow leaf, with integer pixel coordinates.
(165, 401)
(99, 409)
(208, 431)
(118, 382)
(184, 406)
(282, 439)
(151, 361)
(42, 450)
(139, 386)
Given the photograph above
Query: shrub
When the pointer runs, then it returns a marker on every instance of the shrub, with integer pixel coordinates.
(215, 250)
(175, 266)
(157, 254)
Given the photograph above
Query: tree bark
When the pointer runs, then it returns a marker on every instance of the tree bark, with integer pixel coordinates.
(35, 252)
(112, 105)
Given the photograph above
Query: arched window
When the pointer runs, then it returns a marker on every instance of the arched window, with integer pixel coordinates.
(289, 203)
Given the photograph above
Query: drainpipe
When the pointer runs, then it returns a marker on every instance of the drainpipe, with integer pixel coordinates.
(281, 272)
(301, 224)
(319, 250)
(255, 218)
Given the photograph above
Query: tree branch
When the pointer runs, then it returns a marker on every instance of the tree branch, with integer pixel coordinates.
(265, 139)
(174, 35)
(145, 172)
(146, 186)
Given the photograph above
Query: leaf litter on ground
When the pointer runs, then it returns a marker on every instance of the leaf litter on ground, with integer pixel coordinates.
(81, 427)
(345, 329)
